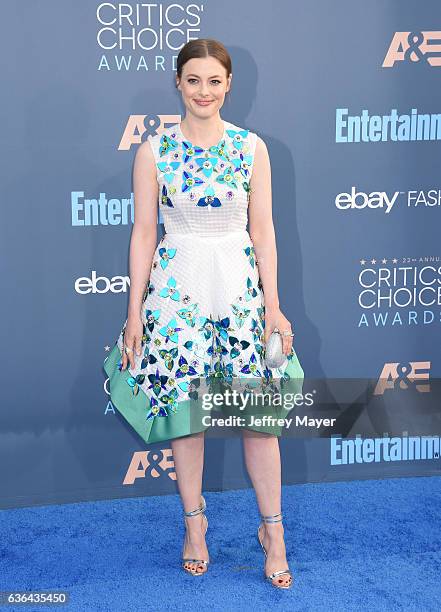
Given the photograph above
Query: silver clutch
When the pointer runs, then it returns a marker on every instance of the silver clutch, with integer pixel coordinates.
(274, 355)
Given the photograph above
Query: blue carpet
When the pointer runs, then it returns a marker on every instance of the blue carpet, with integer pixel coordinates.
(360, 545)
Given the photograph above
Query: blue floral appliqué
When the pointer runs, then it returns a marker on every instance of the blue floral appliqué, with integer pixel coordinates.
(168, 170)
(165, 200)
(166, 144)
(238, 137)
(209, 199)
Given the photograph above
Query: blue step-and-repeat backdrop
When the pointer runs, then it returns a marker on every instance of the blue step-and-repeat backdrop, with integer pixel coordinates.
(346, 96)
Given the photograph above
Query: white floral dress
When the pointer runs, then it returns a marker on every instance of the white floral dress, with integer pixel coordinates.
(203, 308)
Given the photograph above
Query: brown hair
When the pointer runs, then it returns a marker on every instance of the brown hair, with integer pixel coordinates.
(203, 47)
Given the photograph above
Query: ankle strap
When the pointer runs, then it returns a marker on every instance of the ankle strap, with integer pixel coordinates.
(201, 508)
(272, 518)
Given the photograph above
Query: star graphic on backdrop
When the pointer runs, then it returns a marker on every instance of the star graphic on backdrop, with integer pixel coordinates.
(107, 348)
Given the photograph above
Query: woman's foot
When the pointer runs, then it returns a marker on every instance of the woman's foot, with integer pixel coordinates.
(272, 537)
(195, 546)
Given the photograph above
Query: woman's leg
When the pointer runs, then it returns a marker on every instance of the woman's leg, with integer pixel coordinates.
(262, 458)
(188, 455)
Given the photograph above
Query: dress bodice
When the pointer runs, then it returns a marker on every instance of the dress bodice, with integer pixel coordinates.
(204, 191)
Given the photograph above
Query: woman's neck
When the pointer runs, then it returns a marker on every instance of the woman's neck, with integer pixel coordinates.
(202, 131)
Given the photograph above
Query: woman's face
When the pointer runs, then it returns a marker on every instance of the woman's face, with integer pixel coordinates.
(203, 86)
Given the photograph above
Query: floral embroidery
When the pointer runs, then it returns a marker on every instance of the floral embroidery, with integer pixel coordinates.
(217, 348)
(190, 180)
(135, 382)
(251, 291)
(240, 314)
(168, 357)
(206, 164)
(152, 317)
(157, 382)
(242, 164)
(223, 327)
(165, 200)
(168, 171)
(227, 177)
(207, 326)
(238, 137)
(237, 346)
(251, 368)
(188, 314)
(155, 409)
(170, 330)
(189, 150)
(184, 368)
(249, 252)
(147, 359)
(166, 144)
(209, 199)
(166, 255)
(170, 291)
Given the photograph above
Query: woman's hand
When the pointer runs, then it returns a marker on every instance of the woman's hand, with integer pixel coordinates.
(132, 340)
(275, 318)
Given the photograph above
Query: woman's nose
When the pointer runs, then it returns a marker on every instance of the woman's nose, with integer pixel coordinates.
(204, 90)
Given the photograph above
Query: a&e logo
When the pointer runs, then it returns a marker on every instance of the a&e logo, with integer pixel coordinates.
(414, 47)
(153, 464)
(405, 375)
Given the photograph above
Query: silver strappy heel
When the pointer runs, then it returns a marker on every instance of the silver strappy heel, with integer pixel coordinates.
(273, 519)
(194, 571)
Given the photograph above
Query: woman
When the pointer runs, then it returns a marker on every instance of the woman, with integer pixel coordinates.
(203, 309)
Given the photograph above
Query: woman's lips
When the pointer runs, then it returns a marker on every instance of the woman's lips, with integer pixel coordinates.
(203, 102)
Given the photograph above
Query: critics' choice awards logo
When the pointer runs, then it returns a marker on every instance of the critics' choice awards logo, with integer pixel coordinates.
(143, 36)
(385, 201)
(393, 292)
(151, 464)
(422, 47)
(404, 376)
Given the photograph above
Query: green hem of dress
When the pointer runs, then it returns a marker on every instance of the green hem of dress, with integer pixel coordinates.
(184, 421)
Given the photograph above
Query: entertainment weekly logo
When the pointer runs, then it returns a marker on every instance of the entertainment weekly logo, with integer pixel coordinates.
(143, 36)
(391, 126)
(399, 291)
(414, 47)
(385, 449)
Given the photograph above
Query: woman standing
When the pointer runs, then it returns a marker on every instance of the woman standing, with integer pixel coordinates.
(196, 299)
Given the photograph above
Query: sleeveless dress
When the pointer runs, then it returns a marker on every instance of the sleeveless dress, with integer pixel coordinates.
(203, 308)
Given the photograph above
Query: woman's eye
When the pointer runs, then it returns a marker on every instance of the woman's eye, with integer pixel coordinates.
(215, 81)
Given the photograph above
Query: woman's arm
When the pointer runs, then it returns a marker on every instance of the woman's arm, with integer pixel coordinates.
(142, 245)
(261, 224)
(145, 228)
(261, 229)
